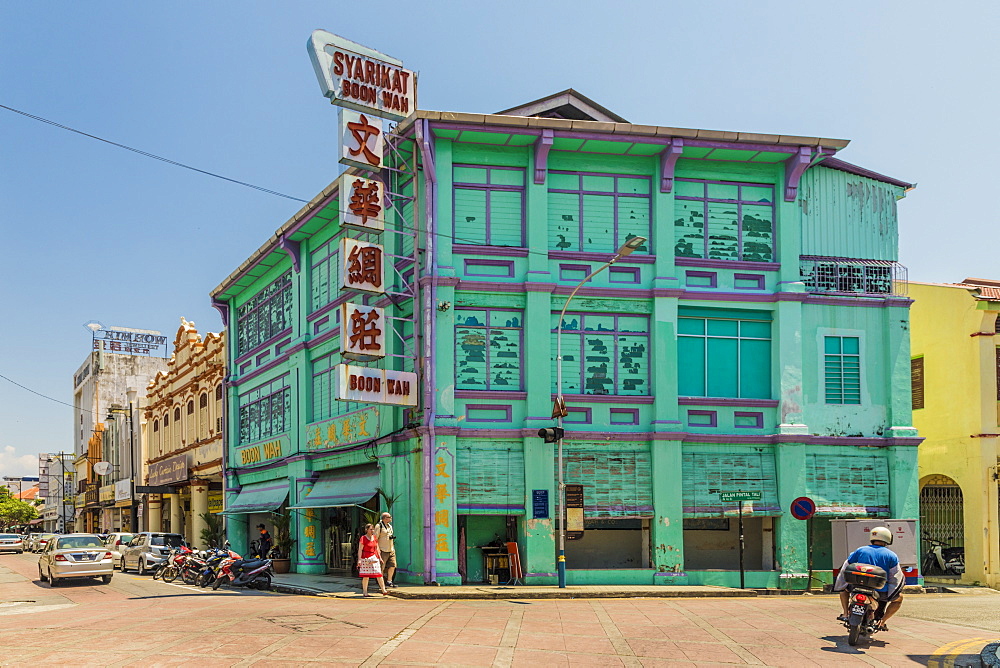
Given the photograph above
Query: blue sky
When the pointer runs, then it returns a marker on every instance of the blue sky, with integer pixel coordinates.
(95, 232)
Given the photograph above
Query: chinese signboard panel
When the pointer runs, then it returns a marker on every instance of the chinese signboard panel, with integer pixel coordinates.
(169, 470)
(361, 203)
(362, 144)
(361, 266)
(128, 341)
(362, 332)
(356, 77)
(344, 430)
(377, 386)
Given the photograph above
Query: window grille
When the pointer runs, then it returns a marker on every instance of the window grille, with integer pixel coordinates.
(852, 276)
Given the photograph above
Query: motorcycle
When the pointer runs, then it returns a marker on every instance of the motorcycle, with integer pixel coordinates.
(865, 607)
(943, 559)
(213, 559)
(249, 573)
(191, 567)
(159, 568)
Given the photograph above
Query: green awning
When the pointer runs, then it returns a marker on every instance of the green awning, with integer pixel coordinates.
(342, 487)
(259, 497)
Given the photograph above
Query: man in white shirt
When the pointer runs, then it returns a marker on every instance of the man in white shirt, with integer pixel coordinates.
(387, 546)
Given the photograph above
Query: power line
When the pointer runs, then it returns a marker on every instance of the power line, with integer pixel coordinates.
(44, 396)
(151, 155)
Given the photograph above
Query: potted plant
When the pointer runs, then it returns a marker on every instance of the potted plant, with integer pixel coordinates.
(282, 543)
(213, 534)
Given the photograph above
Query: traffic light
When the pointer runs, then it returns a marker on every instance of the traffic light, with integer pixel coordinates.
(551, 434)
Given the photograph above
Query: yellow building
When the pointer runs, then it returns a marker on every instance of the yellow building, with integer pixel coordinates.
(183, 434)
(955, 364)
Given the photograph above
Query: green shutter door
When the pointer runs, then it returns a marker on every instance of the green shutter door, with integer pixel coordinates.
(848, 486)
(490, 479)
(707, 473)
(617, 484)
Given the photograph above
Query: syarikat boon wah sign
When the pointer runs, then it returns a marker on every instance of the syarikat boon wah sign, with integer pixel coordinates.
(363, 79)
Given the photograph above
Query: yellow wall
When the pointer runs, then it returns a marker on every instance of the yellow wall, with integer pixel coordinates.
(960, 402)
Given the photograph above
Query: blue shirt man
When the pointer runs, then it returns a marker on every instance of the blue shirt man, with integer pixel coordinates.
(876, 554)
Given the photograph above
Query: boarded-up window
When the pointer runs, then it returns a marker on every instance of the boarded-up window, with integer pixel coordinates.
(597, 213)
(489, 205)
(489, 479)
(617, 482)
(848, 486)
(705, 474)
(603, 354)
(488, 349)
(917, 382)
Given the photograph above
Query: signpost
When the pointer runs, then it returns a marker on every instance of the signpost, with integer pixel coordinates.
(803, 508)
(739, 498)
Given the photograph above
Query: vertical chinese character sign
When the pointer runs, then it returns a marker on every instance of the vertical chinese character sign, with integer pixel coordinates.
(444, 504)
(362, 203)
(361, 141)
(362, 266)
(362, 332)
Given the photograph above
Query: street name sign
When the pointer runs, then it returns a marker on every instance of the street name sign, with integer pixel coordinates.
(739, 496)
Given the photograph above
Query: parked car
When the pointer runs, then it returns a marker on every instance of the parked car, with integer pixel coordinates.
(116, 544)
(41, 540)
(147, 549)
(75, 555)
(11, 542)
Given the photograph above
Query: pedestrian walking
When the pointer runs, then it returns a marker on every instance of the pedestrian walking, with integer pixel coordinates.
(265, 542)
(369, 560)
(387, 547)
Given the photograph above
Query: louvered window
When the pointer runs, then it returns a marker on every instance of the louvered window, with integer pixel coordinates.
(489, 478)
(617, 481)
(597, 213)
(488, 349)
(264, 315)
(845, 486)
(489, 205)
(723, 220)
(265, 411)
(602, 354)
(917, 382)
(842, 369)
(707, 473)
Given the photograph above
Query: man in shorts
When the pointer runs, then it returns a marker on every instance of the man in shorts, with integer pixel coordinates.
(876, 554)
(387, 546)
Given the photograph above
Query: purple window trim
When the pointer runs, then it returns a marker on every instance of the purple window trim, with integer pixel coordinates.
(615, 356)
(724, 264)
(281, 346)
(738, 202)
(633, 414)
(246, 366)
(713, 418)
(727, 401)
(585, 268)
(633, 274)
(506, 264)
(759, 417)
(497, 251)
(587, 415)
(263, 357)
(749, 277)
(502, 395)
(606, 398)
(487, 188)
(486, 332)
(250, 353)
(615, 195)
(601, 258)
(489, 407)
(713, 278)
(318, 325)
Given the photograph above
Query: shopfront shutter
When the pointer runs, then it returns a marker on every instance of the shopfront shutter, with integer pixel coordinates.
(707, 473)
(848, 485)
(617, 483)
(489, 479)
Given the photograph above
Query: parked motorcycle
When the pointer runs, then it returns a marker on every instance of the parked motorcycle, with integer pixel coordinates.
(249, 573)
(942, 558)
(159, 568)
(213, 560)
(865, 607)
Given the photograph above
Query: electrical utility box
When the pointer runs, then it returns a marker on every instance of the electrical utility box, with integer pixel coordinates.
(849, 535)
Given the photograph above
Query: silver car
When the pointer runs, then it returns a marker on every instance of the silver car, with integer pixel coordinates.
(75, 555)
(38, 544)
(147, 549)
(116, 544)
(11, 542)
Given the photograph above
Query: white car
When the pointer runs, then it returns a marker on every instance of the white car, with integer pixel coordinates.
(116, 544)
(75, 555)
(11, 542)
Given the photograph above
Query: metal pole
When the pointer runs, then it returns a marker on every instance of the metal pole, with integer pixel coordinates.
(132, 466)
(742, 575)
(809, 553)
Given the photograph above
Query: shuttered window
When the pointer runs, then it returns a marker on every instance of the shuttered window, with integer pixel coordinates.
(706, 473)
(617, 482)
(842, 369)
(724, 353)
(323, 275)
(597, 213)
(724, 220)
(489, 205)
(488, 349)
(602, 354)
(848, 486)
(489, 479)
(917, 382)
(265, 411)
(265, 315)
(325, 404)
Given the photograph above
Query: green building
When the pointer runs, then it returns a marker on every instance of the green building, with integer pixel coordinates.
(755, 342)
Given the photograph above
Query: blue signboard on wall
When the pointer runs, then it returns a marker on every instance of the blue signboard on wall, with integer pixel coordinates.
(540, 504)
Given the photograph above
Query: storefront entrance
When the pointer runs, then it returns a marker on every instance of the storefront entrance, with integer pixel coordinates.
(342, 529)
(482, 541)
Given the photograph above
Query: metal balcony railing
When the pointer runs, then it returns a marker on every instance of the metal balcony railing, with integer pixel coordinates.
(850, 276)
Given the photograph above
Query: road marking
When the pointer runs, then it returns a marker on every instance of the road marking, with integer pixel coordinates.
(946, 655)
(618, 642)
(397, 640)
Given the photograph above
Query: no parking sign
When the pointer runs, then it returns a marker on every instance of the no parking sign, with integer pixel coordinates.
(803, 508)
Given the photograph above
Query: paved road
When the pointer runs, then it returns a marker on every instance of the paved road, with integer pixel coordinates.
(136, 621)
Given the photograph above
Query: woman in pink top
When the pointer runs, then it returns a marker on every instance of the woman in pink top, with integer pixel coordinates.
(367, 566)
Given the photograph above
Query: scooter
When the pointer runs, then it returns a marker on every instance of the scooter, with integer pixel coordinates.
(942, 559)
(213, 561)
(249, 573)
(865, 607)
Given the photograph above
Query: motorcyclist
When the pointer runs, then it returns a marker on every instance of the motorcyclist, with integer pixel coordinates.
(876, 554)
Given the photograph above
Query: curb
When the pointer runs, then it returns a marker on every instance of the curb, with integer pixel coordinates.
(292, 589)
(514, 594)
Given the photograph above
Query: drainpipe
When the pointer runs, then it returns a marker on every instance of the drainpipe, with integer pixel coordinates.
(429, 299)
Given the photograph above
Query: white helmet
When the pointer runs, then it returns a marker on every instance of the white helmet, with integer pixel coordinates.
(882, 534)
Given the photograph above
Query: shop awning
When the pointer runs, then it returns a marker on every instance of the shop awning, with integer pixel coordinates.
(259, 497)
(35, 522)
(344, 487)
